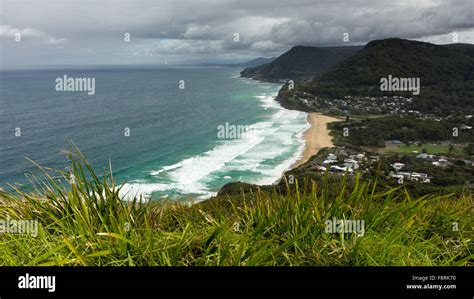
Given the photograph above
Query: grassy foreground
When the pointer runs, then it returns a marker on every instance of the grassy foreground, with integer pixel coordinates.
(83, 221)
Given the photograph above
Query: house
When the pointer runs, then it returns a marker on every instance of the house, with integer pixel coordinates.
(321, 168)
(398, 166)
(325, 162)
(348, 160)
(405, 174)
(396, 176)
(351, 165)
(423, 177)
(441, 163)
(425, 156)
(374, 158)
(338, 169)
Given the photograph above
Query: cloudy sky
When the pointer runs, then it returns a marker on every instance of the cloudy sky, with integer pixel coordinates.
(191, 31)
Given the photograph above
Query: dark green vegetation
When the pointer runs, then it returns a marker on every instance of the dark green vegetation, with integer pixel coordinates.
(85, 222)
(373, 132)
(300, 63)
(434, 64)
(446, 75)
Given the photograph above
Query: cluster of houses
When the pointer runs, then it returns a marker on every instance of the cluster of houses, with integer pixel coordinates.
(405, 175)
(351, 162)
(437, 161)
(344, 161)
(331, 163)
(393, 105)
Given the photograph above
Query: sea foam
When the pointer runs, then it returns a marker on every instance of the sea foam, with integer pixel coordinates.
(277, 143)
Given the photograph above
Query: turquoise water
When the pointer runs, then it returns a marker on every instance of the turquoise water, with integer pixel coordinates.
(173, 149)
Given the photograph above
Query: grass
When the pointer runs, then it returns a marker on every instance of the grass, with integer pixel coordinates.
(84, 221)
(433, 149)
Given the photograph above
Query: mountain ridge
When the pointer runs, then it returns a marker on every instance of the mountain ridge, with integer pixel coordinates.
(300, 63)
(446, 73)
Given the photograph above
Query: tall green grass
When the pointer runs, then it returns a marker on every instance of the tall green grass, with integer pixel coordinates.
(83, 221)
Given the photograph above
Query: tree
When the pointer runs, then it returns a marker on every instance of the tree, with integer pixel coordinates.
(469, 149)
(450, 148)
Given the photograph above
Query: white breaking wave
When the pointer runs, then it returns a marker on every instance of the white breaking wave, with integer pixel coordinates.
(271, 139)
(174, 166)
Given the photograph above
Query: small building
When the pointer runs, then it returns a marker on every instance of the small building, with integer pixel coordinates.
(349, 165)
(396, 142)
(420, 177)
(406, 175)
(326, 162)
(425, 156)
(441, 163)
(374, 158)
(338, 169)
(398, 166)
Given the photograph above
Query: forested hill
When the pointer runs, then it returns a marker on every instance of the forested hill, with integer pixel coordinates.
(433, 64)
(300, 63)
(446, 74)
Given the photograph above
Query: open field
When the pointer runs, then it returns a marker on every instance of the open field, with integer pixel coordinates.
(430, 148)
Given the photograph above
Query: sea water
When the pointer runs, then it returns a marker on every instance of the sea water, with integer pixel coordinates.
(161, 138)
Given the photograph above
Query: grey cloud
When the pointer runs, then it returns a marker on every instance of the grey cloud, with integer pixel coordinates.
(172, 30)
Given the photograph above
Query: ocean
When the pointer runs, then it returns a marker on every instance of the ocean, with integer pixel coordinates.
(162, 140)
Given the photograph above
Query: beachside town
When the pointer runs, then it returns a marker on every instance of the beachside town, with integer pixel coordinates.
(389, 105)
(428, 149)
(364, 105)
(397, 169)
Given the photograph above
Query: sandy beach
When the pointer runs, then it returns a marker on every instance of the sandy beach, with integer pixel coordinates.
(317, 136)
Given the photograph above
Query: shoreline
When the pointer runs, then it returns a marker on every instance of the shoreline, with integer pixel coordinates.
(316, 136)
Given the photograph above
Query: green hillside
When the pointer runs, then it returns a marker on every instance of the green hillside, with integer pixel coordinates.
(446, 75)
(433, 64)
(300, 63)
